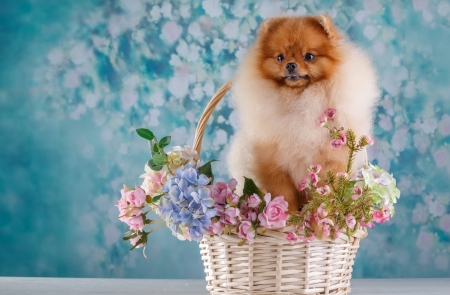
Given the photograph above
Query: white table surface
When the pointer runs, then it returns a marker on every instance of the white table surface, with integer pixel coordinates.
(37, 286)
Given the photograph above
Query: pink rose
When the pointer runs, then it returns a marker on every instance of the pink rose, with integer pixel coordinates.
(220, 191)
(324, 190)
(291, 238)
(133, 241)
(122, 215)
(153, 181)
(247, 212)
(122, 204)
(254, 201)
(350, 221)
(136, 197)
(233, 198)
(274, 214)
(216, 228)
(230, 216)
(246, 231)
(321, 120)
(330, 113)
(136, 222)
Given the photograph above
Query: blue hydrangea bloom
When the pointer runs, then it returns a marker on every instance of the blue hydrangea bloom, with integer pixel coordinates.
(187, 203)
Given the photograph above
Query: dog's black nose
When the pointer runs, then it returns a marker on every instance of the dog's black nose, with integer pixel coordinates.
(291, 66)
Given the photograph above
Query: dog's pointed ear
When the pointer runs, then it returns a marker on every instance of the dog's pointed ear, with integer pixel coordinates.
(270, 23)
(265, 25)
(327, 24)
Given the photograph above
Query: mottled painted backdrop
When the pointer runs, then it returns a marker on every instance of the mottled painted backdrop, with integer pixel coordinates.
(77, 77)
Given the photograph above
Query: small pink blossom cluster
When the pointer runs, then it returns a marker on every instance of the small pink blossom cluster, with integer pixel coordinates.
(313, 179)
(327, 115)
(246, 214)
(382, 215)
(130, 207)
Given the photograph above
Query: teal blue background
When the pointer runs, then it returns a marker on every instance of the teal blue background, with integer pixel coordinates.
(77, 77)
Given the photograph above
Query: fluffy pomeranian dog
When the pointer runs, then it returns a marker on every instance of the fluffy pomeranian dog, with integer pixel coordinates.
(299, 67)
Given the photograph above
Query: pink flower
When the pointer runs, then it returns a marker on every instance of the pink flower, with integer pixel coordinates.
(378, 216)
(136, 222)
(216, 228)
(324, 190)
(321, 120)
(303, 184)
(321, 211)
(122, 204)
(342, 138)
(233, 198)
(330, 113)
(336, 144)
(307, 239)
(342, 174)
(357, 192)
(369, 225)
(133, 241)
(315, 168)
(369, 139)
(220, 191)
(274, 214)
(246, 231)
(230, 216)
(136, 197)
(337, 232)
(350, 221)
(247, 212)
(314, 179)
(153, 181)
(254, 201)
(291, 238)
(386, 212)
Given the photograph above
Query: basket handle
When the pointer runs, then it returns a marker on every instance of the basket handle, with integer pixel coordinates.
(201, 126)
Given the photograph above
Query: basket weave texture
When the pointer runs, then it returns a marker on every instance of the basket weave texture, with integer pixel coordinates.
(271, 265)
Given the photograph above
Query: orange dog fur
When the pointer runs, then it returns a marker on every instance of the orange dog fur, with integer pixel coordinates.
(298, 67)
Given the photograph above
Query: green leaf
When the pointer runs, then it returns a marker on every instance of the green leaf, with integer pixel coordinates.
(250, 188)
(153, 147)
(129, 237)
(156, 199)
(165, 141)
(145, 133)
(153, 166)
(160, 159)
(207, 170)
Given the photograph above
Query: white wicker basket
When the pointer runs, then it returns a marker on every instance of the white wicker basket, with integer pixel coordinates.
(271, 265)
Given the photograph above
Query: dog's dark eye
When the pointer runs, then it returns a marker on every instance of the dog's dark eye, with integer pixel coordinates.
(280, 57)
(309, 57)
